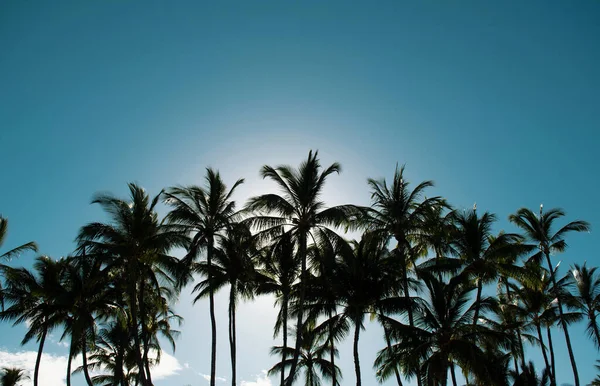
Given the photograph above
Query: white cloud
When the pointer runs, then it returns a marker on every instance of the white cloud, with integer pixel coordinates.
(53, 368)
(261, 380)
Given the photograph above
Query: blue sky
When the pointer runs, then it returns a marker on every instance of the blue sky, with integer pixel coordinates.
(497, 102)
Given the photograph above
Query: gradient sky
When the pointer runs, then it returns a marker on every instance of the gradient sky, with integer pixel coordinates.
(497, 102)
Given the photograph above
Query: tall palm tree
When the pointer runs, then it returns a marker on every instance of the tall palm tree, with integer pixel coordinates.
(443, 335)
(134, 246)
(35, 299)
(313, 358)
(587, 297)
(276, 276)
(205, 213)
(30, 246)
(539, 230)
(300, 210)
(12, 376)
(403, 214)
(484, 255)
(233, 265)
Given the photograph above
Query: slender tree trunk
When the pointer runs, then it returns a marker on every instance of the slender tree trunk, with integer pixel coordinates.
(86, 372)
(285, 320)
(542, 346)
(411, 320)
(299, 323)
(232, 333)
(356, 360)
(389, 346)
(563, 322)
(134, 327)
(521, 353)
(69, 361)
(119, 373)
(453, 374)
(477, 301)
(39, 356)
(552, 362)
(332, 353)
(213, 321)
(145, 333)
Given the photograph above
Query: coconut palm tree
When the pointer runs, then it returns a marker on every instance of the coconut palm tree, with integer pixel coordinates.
(232, 265)
(276, 276)
(35, 299)
(402, 214)
(587, 297)
(205, 213)
(529, 377)
(484, 255)
(134, 247)
(12, 376)
(443, 335)
(539, 231)
(299, 210)
(313, 358)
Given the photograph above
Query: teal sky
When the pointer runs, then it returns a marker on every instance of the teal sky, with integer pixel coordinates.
(497, 102)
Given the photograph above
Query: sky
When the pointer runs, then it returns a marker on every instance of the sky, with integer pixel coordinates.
(497, 102)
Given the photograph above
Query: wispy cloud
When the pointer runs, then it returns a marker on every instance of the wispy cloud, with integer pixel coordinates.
(207, 377)
(261, 380)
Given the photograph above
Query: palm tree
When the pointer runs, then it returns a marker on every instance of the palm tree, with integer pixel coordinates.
(400, 213)
(205, 213)
(484, 255)
(443, 335)
(528, 377)
(36, 300)
(233, 265)
(11, 376)
(539, 230)
(30, 246)
(312, 360)
(277, 275)
(587, 297)
(300, 210)
(134, 247)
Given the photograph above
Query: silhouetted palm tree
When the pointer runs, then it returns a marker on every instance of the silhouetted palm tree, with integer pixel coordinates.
(587, 297)
(443, 335)
(300, 209)
(12, 376)
(539, 230)
(313, 358)
(233, 265)
(134, 246)
(34, 299)
(205, 213)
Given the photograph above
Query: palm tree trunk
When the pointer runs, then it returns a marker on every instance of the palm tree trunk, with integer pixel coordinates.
(299, 323)
(145, 334)
(552, 362)
(86, 372)
(232, 339)
(356, 360)
(285, 320)
(541, 338)
(477, 301)
(134, 325)
(521, 348)
(563, 322)
(389, 347)
(69, 361)
(453, 374)
(411, 320)
(39, 356)
(332, 353)
(213, 321)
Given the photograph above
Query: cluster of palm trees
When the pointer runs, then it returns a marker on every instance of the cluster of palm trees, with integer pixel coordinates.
(422, 269)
